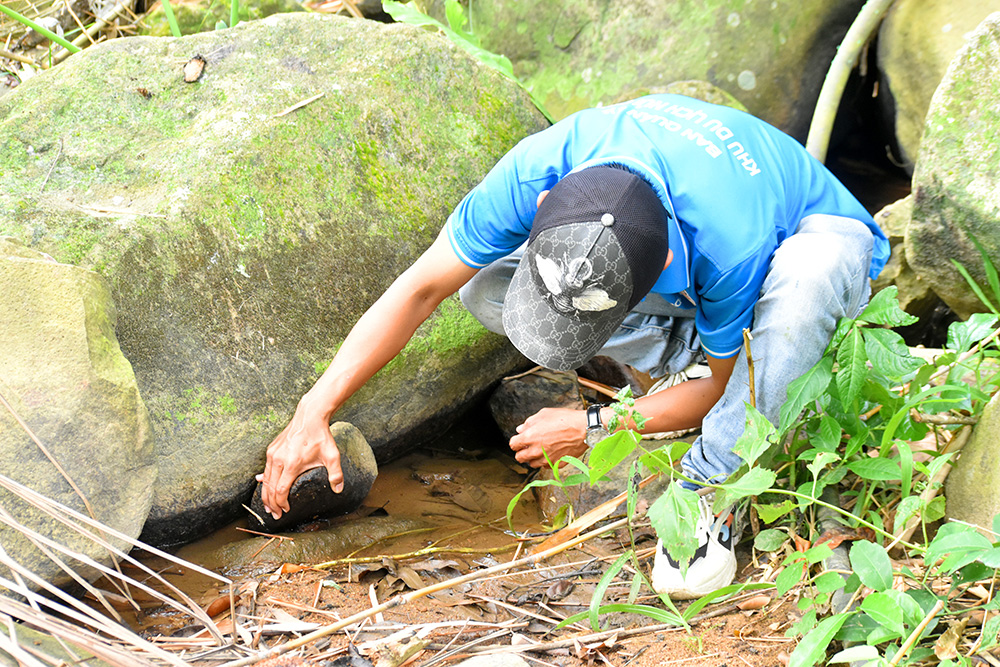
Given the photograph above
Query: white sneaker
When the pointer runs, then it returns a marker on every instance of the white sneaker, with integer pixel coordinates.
(713, 564)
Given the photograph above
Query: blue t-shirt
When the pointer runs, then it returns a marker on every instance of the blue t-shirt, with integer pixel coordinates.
(734, 188)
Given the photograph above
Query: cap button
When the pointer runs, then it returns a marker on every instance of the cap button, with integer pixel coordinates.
(607, 219)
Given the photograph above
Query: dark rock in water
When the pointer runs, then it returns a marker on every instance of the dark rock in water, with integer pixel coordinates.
(519, 397)
(311, 496)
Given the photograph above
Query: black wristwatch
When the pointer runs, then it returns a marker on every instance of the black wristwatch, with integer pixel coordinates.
(594, 417)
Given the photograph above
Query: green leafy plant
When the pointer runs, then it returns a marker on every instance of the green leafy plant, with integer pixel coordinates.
(846, 429)
(456, 31)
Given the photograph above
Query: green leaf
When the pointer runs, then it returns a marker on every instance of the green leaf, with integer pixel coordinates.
(974, 286)
(770, 539)
(770, 513)
(456, 20)
(821, 460)
(963, 335)
(602, 587)
(856, 654)
(790, 576)
(610, 452)
(852, 372)
(908, 508)
(755, 482)
(674, 517)
(805, 390)
(877, 469)
(695, 607)
(884, 309)
(756, 436)
(889, 354)
(884, 610)
(958, 546)
(828, 435)
(844, 324)
(662, 459)
(828, 582)
(872, 565)
(990, 631)
(812, 648)
(655, 613)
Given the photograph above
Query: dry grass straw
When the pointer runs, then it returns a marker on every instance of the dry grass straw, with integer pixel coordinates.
(50, 609)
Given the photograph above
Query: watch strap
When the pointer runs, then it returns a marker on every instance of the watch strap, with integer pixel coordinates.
(594, 416)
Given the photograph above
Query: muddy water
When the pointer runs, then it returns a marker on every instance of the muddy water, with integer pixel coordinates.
(450, 498)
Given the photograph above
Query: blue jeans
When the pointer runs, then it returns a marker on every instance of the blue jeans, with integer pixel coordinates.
(817, 276)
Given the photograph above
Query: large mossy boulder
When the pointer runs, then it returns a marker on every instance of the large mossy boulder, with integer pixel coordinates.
(772, 56)
(957, 180)
(916, 42)
(81, 433)
(972, 490)
(243, 235)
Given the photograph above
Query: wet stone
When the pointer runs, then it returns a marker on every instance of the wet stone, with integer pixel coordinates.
(519, 397)
(311, 496)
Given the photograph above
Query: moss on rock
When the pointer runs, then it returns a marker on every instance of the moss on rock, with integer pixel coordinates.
(772, 56)
(957, 180)
(242, 240)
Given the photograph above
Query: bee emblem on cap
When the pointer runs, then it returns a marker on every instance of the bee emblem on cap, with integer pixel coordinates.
(567, 285)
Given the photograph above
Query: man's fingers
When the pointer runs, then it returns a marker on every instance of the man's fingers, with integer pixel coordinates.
(336, 475)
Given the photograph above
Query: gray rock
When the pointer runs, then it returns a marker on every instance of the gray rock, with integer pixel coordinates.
(972, 489)
(957, 180)
(517, 398)
(311, 496)
(64, 375)
(307, 548)
(772, 56)
(916, 42)
(915, 295)
(241, 243)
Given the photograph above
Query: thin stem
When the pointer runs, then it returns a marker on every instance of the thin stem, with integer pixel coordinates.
(840, 69)
(48, 34)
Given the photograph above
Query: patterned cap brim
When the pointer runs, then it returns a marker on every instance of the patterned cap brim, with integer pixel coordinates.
(564, 338)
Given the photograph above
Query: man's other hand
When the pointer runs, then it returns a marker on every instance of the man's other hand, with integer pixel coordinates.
(557, 432)
(305, 443)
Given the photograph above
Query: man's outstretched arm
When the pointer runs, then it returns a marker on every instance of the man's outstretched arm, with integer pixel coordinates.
(376, 338)
(561, 431)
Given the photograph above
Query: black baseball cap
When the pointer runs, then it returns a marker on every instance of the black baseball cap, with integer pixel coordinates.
(597, 245)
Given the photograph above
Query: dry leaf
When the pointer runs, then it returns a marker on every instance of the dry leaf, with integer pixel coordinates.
(472, 498)
(559, 589)
(193, 69)
(756, 602)
(410, 578)
(218, 605)
(946, 647)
